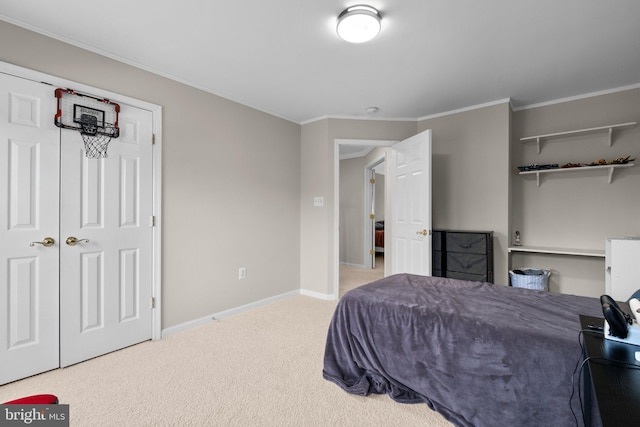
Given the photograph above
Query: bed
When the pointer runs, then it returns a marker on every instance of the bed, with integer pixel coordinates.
(477, 353)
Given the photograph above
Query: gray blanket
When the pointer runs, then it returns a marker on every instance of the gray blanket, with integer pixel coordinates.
(479, 354)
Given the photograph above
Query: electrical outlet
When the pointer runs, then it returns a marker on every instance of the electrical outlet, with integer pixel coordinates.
(242, 273)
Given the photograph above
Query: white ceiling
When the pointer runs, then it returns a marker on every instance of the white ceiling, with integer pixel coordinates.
(283, 56)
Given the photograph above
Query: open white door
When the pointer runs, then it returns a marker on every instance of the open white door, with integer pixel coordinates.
(29, 168)
(106, 278)
(411, 205)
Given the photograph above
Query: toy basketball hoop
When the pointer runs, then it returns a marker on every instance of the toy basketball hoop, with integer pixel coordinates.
(96, 119)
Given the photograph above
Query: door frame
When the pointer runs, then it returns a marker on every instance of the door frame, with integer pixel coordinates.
(369, 200)
(336, 201)
(156, 111)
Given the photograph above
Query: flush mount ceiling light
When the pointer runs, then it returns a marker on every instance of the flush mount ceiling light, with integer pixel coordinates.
(358, 24)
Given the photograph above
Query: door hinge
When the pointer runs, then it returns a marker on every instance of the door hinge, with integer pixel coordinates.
(153, 220)
(372, 180)
(372, 216)
(372, 252)
(153, 302)
(153, 139)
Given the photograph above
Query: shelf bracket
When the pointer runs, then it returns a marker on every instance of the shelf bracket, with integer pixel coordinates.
(610, 174)
(538, 143)
(610, 137)
(538, 179)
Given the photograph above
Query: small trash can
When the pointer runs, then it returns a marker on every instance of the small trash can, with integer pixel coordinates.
(530, 278)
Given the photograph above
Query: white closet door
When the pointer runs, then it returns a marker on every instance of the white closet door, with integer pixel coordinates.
(61, 304)
(29, 179)
(106, 281)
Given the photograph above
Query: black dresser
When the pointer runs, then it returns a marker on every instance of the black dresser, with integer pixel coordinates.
(465, 255)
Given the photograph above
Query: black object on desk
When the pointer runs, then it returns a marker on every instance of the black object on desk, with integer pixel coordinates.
(615, 381)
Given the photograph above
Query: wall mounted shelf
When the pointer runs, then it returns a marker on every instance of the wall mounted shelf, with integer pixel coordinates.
(558, 251)
(610, 168)
(609, 128)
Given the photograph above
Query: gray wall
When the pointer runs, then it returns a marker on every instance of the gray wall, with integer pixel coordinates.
(476, 185)
(576, 209)
(352, 211)
(470, 154)
(470, 187)
(319, 257)
(231, 181)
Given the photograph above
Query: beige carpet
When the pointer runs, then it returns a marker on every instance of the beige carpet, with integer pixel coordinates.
(351, 277)
(262, 367)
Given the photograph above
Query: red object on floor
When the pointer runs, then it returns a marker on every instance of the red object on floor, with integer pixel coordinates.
(37, 399)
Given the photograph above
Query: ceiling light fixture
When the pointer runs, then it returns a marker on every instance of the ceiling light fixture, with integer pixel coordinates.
(358, 24)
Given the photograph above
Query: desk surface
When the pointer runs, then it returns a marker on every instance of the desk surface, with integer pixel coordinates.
(616, 381)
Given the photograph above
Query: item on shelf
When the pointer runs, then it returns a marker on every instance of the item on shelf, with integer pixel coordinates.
(618, 161)
(517, 242)
(609, 166)
(536, 167)
(622, 160)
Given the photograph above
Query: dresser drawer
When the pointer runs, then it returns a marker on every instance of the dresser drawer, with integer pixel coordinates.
(466, 263)
(436, 260)
(474, 243)
(467, 276)
(436, 241)
(463, 254)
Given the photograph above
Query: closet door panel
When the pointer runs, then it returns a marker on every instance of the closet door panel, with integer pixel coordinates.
(29, 236)
(106, 278)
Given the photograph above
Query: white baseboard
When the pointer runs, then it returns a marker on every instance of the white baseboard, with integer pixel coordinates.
(226, 313)
(187, 325)
(318, 295)
(256, 304)
(348, 264)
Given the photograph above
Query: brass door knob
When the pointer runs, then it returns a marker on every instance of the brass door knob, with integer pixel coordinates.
(72, 241)
(47, 241)
(423, 232)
